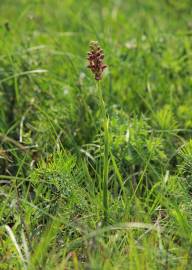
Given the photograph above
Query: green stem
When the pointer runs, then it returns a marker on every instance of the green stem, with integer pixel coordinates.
(106, 154)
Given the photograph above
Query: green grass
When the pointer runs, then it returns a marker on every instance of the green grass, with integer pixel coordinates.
(77, 191)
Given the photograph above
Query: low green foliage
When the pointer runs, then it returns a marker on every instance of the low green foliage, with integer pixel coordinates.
(75, 192)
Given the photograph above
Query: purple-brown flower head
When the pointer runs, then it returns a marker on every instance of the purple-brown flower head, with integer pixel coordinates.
(95, 58)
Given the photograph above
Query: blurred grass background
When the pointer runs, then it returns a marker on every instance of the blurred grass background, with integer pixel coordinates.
(51, 144)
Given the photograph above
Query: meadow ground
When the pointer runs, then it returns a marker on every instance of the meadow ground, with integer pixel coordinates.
(73, 193)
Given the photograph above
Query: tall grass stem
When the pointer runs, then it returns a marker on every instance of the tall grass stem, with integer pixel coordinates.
(105, 120)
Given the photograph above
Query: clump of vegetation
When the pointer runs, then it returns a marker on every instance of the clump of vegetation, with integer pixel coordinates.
(95, 172)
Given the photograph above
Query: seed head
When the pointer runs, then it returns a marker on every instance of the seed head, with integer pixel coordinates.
(95, 58)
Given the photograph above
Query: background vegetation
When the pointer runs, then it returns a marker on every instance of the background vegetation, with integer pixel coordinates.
(51, 139)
